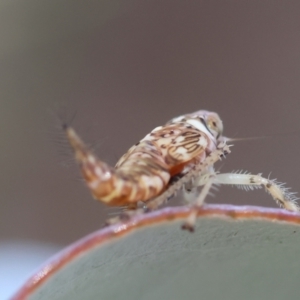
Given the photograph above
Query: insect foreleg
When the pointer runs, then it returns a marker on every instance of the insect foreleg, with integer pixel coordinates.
(277, 190)
(190, 191)
(209, 179)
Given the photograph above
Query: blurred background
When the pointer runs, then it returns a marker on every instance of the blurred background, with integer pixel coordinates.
(125, 67)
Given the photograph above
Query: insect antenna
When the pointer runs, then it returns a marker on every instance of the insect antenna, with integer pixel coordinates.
(262, 137)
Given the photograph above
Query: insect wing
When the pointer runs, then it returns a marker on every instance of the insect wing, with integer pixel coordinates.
(180, 145)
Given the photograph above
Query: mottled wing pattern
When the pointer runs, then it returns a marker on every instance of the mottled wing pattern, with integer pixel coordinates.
(177, 143)
(181, 144)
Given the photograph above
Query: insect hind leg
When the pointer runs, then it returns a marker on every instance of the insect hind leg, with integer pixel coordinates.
(280, 194)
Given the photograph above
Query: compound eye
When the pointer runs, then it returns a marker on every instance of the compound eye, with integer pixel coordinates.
(215, 126)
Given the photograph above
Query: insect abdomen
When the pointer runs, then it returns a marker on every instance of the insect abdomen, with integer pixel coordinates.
(142, 176)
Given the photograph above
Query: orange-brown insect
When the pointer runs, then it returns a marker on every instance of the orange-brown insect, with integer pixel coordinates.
(185, 149)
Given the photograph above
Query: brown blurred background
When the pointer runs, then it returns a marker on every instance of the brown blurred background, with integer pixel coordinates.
(126, 67)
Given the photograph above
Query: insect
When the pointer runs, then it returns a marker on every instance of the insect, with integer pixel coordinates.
(179, 155)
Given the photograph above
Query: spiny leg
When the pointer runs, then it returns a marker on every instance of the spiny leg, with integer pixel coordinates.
(248, 181)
